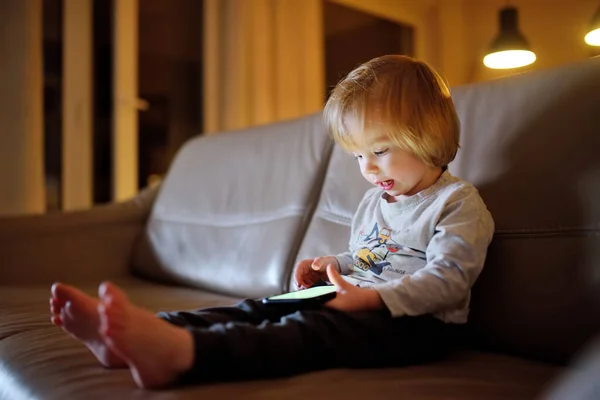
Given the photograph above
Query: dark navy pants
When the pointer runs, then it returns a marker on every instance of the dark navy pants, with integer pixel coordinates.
(252, 340)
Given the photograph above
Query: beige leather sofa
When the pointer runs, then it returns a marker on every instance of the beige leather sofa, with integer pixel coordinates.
(238, 209)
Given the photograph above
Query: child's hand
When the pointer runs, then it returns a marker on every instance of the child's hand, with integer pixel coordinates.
(350, 297)
(312, 270)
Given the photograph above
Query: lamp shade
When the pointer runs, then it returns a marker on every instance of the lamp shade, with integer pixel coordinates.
(593, 36)
(509, 49)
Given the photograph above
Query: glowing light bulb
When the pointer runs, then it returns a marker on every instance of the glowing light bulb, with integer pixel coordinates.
(509, 59)
(593, 37)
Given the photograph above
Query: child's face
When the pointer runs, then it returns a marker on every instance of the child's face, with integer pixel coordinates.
(396, 171)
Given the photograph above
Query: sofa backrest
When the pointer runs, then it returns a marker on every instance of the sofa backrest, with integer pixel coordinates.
(232, 210)
(531, 145)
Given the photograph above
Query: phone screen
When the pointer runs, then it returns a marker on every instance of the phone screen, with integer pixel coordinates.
(305, 294)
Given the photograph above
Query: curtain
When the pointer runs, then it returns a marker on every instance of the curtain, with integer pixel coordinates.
(21, 108)
(263, 62)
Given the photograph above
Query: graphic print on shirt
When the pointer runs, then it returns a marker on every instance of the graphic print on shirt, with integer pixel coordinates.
(374, 249)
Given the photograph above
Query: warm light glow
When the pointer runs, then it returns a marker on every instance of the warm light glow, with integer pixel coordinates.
(509, 59)
(593, 37)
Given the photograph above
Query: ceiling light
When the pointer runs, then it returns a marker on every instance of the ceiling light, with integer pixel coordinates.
(593, 36)
(510, 49)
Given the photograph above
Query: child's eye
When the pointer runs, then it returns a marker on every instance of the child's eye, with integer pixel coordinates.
(380, 153)
(357, 156)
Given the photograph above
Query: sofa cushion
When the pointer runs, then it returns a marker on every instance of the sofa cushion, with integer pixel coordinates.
(38, 360)
(580, 381)
(233, 207)
(531, 145)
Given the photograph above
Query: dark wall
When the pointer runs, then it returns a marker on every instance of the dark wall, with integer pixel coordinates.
(353, 37)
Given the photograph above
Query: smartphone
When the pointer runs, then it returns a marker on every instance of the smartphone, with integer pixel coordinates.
(313, 296)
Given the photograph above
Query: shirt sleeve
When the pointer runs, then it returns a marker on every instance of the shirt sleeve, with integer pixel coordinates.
(455, 257)
(344, 261)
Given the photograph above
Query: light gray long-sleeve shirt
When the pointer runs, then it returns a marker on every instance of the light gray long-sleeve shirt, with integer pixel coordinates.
(421, 253)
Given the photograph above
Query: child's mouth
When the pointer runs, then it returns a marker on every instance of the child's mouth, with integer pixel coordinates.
(386, 185)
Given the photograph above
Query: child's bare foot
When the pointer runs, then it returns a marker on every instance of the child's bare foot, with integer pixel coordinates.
(77, 314)
(156, 351)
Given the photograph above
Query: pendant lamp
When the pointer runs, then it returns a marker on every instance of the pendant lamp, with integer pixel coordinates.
(593, 36)
(510, 49)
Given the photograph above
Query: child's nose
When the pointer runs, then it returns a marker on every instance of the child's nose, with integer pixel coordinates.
(370, 167)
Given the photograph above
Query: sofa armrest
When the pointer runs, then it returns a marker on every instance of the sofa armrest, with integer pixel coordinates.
(80, 246)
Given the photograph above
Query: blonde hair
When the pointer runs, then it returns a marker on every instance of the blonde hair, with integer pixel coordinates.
(404, 100)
